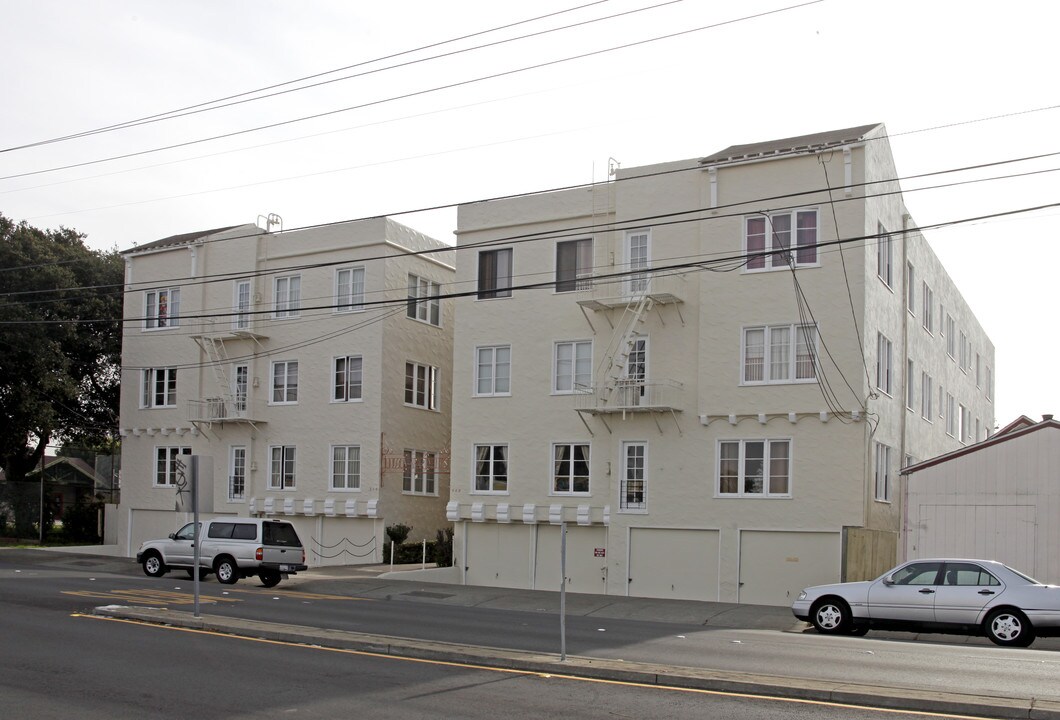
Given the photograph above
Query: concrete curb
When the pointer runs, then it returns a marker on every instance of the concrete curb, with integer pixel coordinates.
(895, 698)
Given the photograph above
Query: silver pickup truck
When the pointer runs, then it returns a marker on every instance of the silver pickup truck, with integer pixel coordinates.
(231, 547)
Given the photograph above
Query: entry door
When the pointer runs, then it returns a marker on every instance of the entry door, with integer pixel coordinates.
(911, 597)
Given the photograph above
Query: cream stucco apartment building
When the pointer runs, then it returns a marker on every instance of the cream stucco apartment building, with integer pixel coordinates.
(312, 367)
(687, 368)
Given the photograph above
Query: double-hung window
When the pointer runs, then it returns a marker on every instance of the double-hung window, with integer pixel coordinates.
(240, 385)
(910, 386)
(284, 382)
(281, 467)
(572, 369)
(754, 468)
(421, 473)
(493, 370)
(237, 472)
(779, 354)
(494, 273)
(910, 289)
(884, 255)
(241, 305)
(927, 396)
(491, 469)
(929, 309)
(570, 469)
(347, 374)
(288, 296)
(162, 309)
(421, 386)
(638, 256)
(158, 387)
(574, 265)
(424, 303)
(884, 365)
(951, 337)
(767, 240)
(349, 289)
(632, 491)
(170, 465)
(345, 467)
(883, 473)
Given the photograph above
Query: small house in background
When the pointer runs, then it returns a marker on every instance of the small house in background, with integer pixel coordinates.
(68, 482)
(997, 499)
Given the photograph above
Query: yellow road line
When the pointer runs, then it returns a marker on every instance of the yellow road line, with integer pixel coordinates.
(535, 673)
(148, 596)
(295, 593)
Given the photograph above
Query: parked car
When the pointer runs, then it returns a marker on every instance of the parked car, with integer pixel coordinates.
(232, 548)
(972, 597)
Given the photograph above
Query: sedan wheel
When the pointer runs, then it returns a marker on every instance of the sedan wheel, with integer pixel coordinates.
(1009, 628)
(831, 616)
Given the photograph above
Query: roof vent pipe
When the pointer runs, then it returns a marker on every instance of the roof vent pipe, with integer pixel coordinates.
(1046, 418)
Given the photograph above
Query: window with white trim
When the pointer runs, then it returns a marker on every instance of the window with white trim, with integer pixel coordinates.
(345, 467)
(989, 383)
(767, 240)
(570, 468)
(632, 490)
(421, 473)
(494, 273)
(910, 386)
(965, 351)
(288, 296)
(424, 300)
(951, 337)
(883, 473)
(158, 387)
(638, 260)
(346, 370)
(349, 289)
(964, 421)
(951, 416)
(171, 463)
(910, 289)
(241, 299)
(884, 255)
(491, 469)
(927, 396)
(574, 265)
(493, 371)
(284, 382)
(281, 467)
(162, 309)
(883, 363)
(754, 468)
(240, 388)
(237, 472)
(779, 354)
(928, 320)
(421, 386)
(572, 367)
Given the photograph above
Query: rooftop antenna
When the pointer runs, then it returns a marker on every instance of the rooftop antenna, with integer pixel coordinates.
(271, 223)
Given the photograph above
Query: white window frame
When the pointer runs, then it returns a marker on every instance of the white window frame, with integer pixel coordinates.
(951, 415)
(486, 458)
(580, 275)
(242, 299)
(794, 332)
(149, 388)
(421, 386)
(165, 471)
(420, 474)
(882, 474)
(965, 348)
(499, 285)
(770, 446)
(927, 397)
(285, 476)
(345, 468)
(884, 363)
(571, 478)
(989, 383)
(349, 289)
(770, 257)
(424, 301)
(287, 389)
(347, 390)
(240, 388)
(154, 318)
(928, 321)
(910, 386)
(884, 256)
(565, 380)
(492, 367)
(237, 473)
(951, 337)
(287, 296)
(638, 261)
(633, 474)
(910, 288)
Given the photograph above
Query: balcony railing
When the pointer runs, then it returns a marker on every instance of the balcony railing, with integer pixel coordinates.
(624, 396)
(606, 293)
(218, 410)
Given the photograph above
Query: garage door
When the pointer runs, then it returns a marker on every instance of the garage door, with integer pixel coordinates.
(669, 563)
(776, 565)
(990, 532)
(586, 573)
(339, 540)
(499, 555)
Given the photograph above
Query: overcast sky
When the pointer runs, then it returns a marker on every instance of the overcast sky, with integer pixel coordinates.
(957, 84)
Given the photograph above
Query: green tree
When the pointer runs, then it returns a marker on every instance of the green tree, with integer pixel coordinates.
(60, 349)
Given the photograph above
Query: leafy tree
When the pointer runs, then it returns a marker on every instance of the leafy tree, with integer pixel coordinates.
(60, 349)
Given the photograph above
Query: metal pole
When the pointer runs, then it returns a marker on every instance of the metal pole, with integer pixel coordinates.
(41, 519)
(198, 530)
(563, 591)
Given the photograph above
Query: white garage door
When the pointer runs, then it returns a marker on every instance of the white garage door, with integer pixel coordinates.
(668, 563)
(776, 565)
(988, 532)
(586, 573)
(499, 555)
(339, 540)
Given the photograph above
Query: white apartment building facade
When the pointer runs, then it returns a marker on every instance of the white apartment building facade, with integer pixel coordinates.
(711, 371)
(312, 368)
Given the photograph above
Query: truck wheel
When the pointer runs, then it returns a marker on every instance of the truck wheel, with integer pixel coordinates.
(153, 565)
(227, 571)
(269, 578)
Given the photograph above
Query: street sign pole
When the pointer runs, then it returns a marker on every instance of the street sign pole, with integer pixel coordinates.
(563, 591)
(198, 529)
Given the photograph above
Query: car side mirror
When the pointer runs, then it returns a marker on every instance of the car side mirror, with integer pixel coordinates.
(172, 536)
(888, 580)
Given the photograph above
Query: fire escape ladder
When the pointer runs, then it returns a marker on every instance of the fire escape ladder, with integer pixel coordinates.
(618, 370)
(217, 358)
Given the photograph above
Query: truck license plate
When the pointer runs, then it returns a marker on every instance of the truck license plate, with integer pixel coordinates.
(285, 568)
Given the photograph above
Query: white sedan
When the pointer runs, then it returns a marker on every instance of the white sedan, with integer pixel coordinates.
(971, 597)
